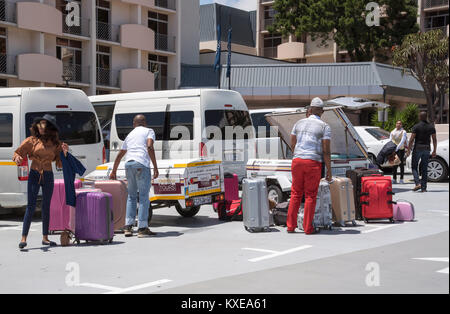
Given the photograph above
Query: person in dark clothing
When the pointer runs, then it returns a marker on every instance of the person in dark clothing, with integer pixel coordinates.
(422, 133)
(387, 153)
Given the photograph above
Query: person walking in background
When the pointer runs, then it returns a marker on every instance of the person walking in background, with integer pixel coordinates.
(311, 144)
(138, 150)
(400, 138)
(43, 147)
(422, 133)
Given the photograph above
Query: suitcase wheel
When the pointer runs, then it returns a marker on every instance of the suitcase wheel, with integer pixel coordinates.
(110, 241)
(354, 223)
(392, 221)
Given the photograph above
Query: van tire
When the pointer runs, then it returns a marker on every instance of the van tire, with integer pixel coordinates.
(187, 212)
(274, 190)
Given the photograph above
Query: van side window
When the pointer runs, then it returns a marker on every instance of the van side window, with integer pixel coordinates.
(6, 130)
(183, 119)
(225, 118)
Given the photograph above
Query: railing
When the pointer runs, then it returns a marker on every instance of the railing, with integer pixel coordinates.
(108, 77)
(7, 11)
(8, 64)
(82, 30)
(76, 73)
(165, 42)
(437, 22)
(435, 3)
(270, 52)
(164, 83)
(166, 4)
(108, 32)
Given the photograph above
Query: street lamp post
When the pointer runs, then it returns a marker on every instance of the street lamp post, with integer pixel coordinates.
(385, 87)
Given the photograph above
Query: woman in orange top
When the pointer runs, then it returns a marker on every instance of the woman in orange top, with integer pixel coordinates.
(43, 147)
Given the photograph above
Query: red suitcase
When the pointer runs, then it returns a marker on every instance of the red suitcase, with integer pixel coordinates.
(376, 198)
(231, 182)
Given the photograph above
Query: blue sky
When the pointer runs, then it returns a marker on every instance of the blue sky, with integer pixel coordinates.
(248, 5)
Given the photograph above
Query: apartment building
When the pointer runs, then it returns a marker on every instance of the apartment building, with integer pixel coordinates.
(99, 46)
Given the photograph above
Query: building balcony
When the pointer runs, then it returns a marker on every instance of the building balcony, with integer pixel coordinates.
(434, 4)
(291, 51)
(108, 32)
(137, 36)
(165, 43)
(164, 83)
(145, 3)
(8, 64)
(39, 68)
(166, 4)
(7, 11)
(108, 78)
(76, 73)
(137, 80)
(39, 17)
(76, 26)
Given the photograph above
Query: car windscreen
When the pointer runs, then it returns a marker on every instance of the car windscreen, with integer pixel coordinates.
(379, 134)
(77, 128)
(227, 118)
(262, 127)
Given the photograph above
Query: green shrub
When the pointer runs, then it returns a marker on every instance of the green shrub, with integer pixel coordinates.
(409, 116)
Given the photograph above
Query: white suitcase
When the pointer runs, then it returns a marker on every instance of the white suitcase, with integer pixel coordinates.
(323, 216)
(255, 205)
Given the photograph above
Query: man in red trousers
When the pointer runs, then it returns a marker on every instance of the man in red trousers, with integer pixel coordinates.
(311, 144)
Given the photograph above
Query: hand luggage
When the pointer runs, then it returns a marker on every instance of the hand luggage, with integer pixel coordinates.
(230, 211)
(343, 201)
(280, 214)
(404, 211)
(376, 198)
(119, 192)
(94, 219)
(356, 176)
(231, 182)
(60, 213)
(323, 217)
(255, 205)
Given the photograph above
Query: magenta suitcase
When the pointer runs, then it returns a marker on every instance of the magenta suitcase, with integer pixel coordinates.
(94, 217)
(60, 213)
(231, 182)
(119, 192)
(404, 211)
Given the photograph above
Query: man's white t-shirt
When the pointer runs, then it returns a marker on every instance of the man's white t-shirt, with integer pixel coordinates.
(136, 145)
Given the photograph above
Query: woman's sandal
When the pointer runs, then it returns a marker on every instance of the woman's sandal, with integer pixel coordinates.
(50, 243)
(22, 245)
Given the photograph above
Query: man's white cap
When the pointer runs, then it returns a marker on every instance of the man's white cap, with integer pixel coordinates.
(317, 102)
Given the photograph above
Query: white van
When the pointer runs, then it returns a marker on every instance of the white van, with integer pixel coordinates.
(196, 112)
(75, 117)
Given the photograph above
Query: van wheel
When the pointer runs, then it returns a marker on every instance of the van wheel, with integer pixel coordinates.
(275, 194)
(187, 212)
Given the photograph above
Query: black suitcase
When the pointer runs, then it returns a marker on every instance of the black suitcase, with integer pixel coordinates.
(280, 214)
(355, 176)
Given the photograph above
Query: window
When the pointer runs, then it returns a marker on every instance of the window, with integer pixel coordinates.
(77, 128)
(6, 130)
(158, 23)
(379, 134)
(70, 53)
(3, 83)
(156, 121)
(3, 56)
(260, 121)
(226, 118)
(158, 65)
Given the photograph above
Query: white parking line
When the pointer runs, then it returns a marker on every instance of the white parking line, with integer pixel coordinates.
(380, 228)
(116, 290)
(439, 260)
(443, 212)
(275, 253)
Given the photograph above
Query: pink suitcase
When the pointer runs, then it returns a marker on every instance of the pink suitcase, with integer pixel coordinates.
(119, 192)
(61, 215)
(404, 211)
(231, 182)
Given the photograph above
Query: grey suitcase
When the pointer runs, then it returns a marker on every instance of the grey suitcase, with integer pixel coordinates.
(255, 205)
(323, 216)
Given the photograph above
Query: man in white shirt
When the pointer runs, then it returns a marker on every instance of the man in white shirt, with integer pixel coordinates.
(138, 150)
(311, 144)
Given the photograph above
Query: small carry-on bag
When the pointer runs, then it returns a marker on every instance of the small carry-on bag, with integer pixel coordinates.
(230, 211)
(280, 214)
(61, 215)
(376, 198)
(343, 201)
(323, 216)
(231, 182)
(119, 192)
(404, 211)
(356, 176)
(256, 205)
(94, 218)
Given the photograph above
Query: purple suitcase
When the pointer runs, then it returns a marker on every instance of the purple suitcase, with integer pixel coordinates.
(94, 217)
(404, 211)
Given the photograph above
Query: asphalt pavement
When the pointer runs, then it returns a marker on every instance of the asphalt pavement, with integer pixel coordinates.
(202, 255)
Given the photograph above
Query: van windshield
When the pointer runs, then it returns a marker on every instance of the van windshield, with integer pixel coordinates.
(226, 118)
(77, 128)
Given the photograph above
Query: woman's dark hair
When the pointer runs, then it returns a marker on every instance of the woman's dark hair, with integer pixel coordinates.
(51, 133)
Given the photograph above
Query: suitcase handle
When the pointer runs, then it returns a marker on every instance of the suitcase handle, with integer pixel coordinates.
(390, 193)
(392, 202)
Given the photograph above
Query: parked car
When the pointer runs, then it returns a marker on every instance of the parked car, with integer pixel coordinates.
(437, 167)
(374, 138)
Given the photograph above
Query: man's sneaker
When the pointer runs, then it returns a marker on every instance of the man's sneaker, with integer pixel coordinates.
(394, 181)
(128, 231)
(417, 188)
(145, 233)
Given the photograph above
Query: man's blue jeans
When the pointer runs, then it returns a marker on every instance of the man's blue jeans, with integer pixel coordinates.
(139, 180)
(423, 156)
